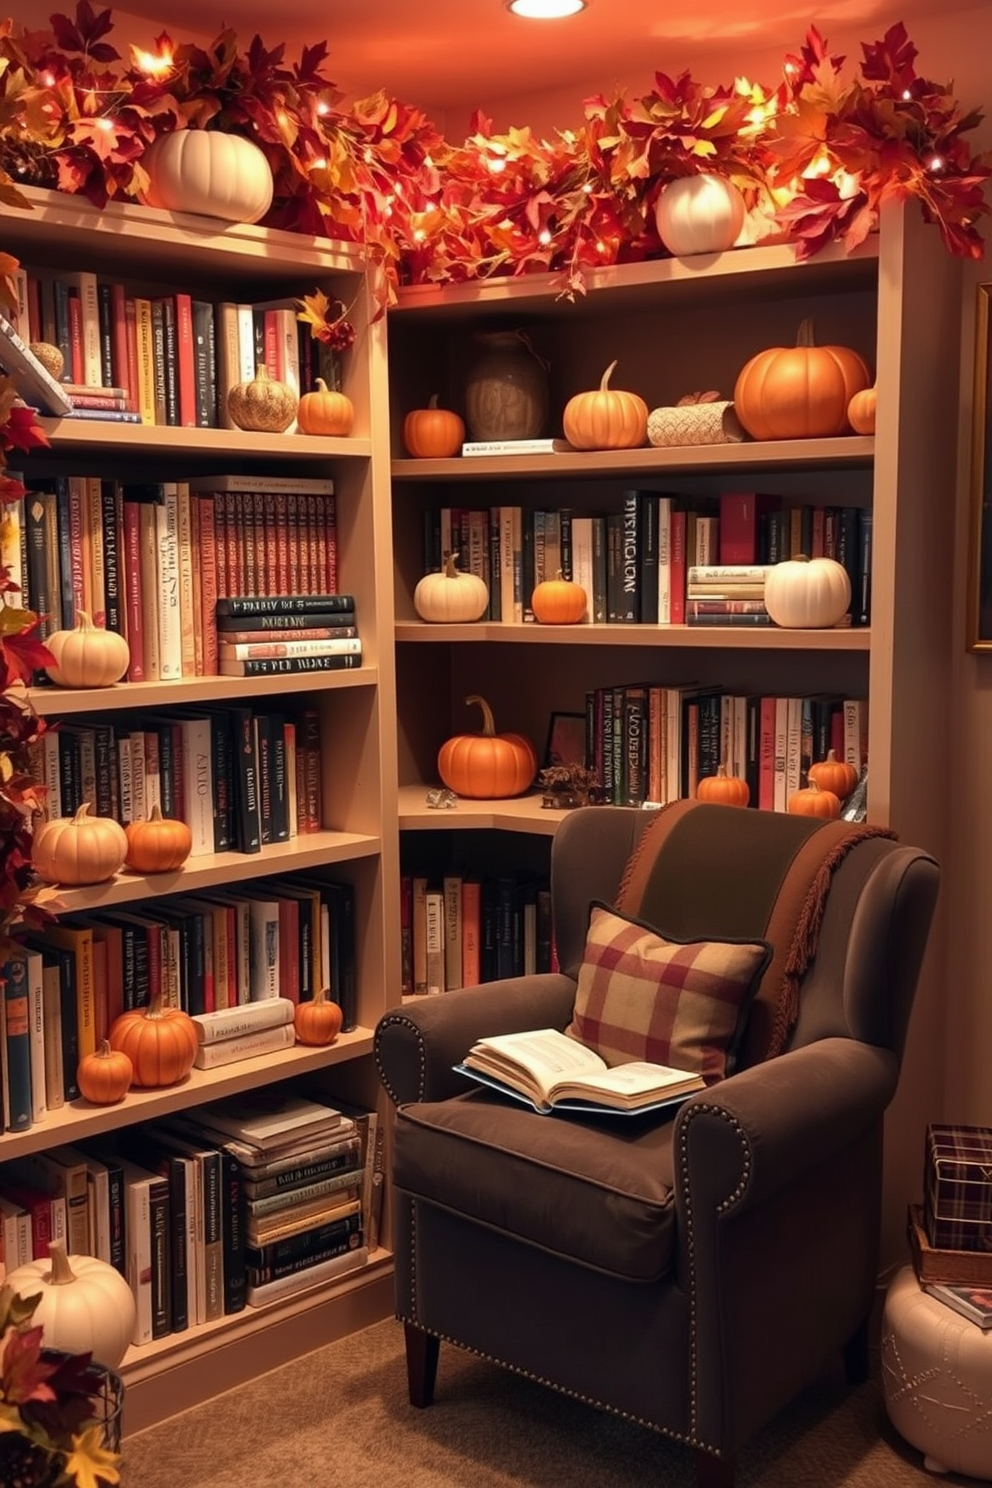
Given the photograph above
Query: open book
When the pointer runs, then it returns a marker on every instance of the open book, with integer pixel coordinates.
(553, 1072)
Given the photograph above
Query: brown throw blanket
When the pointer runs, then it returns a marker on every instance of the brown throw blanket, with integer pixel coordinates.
(703, 871)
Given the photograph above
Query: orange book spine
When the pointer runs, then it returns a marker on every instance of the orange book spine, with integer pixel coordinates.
(471, 932)
(270, 530)
(330, 580)
(235, 550)
(262, 536)
(293, 544)
(282, 545)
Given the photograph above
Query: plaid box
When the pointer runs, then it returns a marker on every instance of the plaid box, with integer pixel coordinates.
(957, 1187)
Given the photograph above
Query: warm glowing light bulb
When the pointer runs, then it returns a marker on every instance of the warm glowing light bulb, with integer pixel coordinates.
(496, 163)
(935, 163)
(587, 188)
(323, 108)
(48, 78)
(104, 124)
(318, 164)
(544, 236)
(600, 246)
(154, 66)
(546, 10)
(419, 235)
(906, 95)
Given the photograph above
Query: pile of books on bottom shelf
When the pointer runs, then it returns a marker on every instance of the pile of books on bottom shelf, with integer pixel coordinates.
(232, 1205)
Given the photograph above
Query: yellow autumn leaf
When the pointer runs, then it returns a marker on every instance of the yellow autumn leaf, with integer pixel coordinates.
(713, 119)
(89, 1464)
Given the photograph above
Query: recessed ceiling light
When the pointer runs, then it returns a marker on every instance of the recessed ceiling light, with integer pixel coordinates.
(546, 10)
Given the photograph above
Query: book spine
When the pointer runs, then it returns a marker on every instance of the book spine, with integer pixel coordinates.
(283, 604)
(17, 1113)
(278, 665)
(233, 1222)
(351, 1260)
(250, 1017)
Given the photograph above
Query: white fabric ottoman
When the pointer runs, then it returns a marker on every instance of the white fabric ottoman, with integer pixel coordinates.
(937, 1379)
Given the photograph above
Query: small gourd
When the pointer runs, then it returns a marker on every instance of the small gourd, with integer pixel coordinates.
(160, 1042)
(834, 775)
(722, 789)
(807, 593)
(861, 410)
(326, 411)
(88, 655)
(158, 845)
(559, 601)
(811, 800)
(80, 849)
(606, 419)
(433, 433)
(317, 1020)
(104, 1078)
(51, 357)
(85, 1307)
(451, 597)
(487, 766)
(264, 404)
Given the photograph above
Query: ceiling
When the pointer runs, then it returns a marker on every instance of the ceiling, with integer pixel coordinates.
(453, 54)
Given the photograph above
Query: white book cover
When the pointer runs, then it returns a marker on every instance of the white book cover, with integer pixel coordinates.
(263, 915)
(170, 633)
(434, 908)
(98, 1181)
(248, 1046)
(139, 1256)
(260, 650)
(228, 358)
(246, 343)
(51, 775)
(582, 565)
(198, 782)
(150, 577)
(93, 515)
(793, 747)
(125, 782)
(22, 311)
(11, 1233)
(350, 1260)
(85, 284)
(36, 1027)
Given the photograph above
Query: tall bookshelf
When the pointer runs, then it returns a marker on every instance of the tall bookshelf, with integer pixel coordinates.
(674, 326)
(154, 251)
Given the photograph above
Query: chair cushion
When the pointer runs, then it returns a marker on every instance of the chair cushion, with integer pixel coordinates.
(641, 995)
(597, 1191)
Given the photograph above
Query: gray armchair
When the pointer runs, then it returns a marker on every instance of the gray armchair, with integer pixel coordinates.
(690, 1272)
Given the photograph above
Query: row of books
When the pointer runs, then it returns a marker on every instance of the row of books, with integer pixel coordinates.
(161, 359)
(268, 942)
(459, 930)
(633, 563)
(648, 742)
(159, 562)
(229, 1206)
(240, 776)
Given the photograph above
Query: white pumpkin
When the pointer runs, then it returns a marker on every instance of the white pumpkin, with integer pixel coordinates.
(699, 214)
(88, 656)
(86, 1305)
(451, 597)
(807, 593)
(208, 172)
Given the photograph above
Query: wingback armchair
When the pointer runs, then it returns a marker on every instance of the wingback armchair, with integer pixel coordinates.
(690, 1272)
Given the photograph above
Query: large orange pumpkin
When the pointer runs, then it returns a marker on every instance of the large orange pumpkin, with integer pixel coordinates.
(158, 845)
(722, 789)
(433, 433)
(799, 392)
(606, 419)
(160, 1042)
(811, 800)
(833, 774)
(325, 411)
(487, 766)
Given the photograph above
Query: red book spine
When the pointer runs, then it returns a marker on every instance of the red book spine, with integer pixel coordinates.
(308, 744)
(235, 548)
(132, 592)
(120, 359)
(330, 583)
(186, 360)
(289, 961)
(766, 754)
(282, 545)
(273, 346)
(259, 527)
(301, 785)
(76, 338)
(39, 1206)
(293, 534)
(130, 349)
(208, 583)
(471, 932)
(313, 541)
(220, 539)
(271, 544)
(677, 601)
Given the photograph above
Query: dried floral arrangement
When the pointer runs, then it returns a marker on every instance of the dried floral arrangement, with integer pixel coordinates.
(817, 154)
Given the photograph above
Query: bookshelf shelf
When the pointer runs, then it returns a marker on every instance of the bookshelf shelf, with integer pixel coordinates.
(78, 1120)
(161, 439)
(55, 702)
(518, 814)
(625, 636)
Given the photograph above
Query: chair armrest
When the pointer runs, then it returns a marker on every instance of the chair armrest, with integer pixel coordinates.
(416, 1045)
(752, 1135)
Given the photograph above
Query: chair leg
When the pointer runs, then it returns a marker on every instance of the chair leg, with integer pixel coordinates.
(715, 1472)
(422, 1351)
(856, 1359)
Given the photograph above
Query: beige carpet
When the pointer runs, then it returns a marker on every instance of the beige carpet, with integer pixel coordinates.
(340, 1419)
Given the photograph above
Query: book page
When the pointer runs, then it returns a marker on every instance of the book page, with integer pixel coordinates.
(544, 1054)
(636, 1078)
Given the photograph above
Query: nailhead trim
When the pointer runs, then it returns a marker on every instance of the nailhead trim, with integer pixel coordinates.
(401, 1020)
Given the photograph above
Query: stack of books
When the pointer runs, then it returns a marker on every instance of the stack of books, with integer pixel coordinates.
(259, 635)
(726, 594)
(303, 1176)
(244, 1032)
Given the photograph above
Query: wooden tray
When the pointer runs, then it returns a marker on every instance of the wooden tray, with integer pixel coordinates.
(967, 1267)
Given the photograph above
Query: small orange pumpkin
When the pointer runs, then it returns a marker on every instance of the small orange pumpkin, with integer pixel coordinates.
(487, 766)
(325, 412)
(157, 845)
(433, 433)
(559, 601)
(812, 800)
(606, 419)
(723, 789)
(834, 775)
(160, 1042)
(318, 1020)
(801, 391)
(861, 411)
(104, 1077)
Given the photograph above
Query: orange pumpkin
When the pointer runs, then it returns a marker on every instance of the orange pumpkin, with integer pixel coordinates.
(559, 601)
(487, 766)
(160, 1042)
(861, 410)
(325, 412)
(799, 392)
(834, 775)
(723, 789)
(433, 433)
(318, 1020)
(606, 419)
(104, 1077)
(157, 845)
(813, 801)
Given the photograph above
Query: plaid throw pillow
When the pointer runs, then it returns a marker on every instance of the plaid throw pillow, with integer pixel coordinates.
(640, 996)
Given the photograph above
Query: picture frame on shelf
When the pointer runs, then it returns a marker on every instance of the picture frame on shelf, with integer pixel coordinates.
(980, 545)
(566, 740)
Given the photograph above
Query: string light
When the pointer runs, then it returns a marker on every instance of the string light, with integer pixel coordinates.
(155, 66)
(544, 237)
(496, 163)
(935, 163)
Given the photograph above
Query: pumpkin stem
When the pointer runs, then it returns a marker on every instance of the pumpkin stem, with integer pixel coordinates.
(488, 726)
(320, 995)
(804, 336)
(83, 621)
(261, 373)
(605, 379)
(450, 569)
(831, 757)
(721, 772)
(104, 1051)
(61, 1272)
(322, 386)
(156, 813)
(432, 400)
(83, 812)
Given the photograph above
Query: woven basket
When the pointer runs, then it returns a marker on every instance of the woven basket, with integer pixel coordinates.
(694, 423)
(956, 1267)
